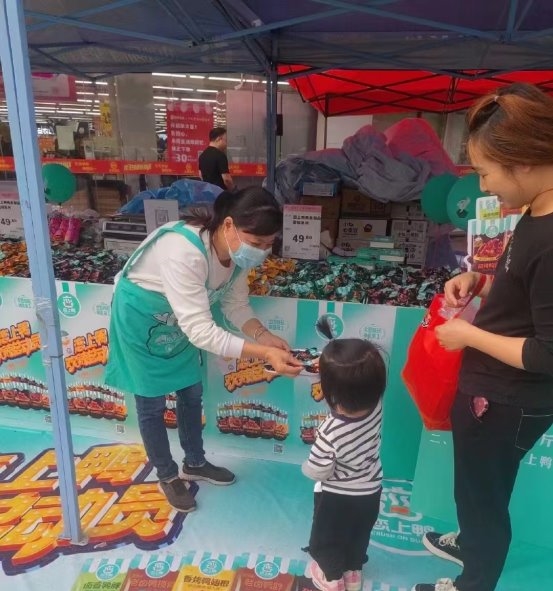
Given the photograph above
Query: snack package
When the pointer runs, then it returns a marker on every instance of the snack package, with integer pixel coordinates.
(487, 240)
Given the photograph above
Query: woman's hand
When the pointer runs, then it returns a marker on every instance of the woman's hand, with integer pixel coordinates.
(454, 335)
(459, 287)
(283, 362)
(268, 339)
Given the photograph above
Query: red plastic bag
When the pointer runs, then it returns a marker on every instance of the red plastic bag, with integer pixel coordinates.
(431, 373)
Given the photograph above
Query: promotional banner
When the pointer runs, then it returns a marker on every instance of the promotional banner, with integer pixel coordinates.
(176, 168)
(188, 127)
(84, 311)
(531, 516)
(50, 87)
(248, 410)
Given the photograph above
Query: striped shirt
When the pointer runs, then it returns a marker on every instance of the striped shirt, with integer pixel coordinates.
(345, 458)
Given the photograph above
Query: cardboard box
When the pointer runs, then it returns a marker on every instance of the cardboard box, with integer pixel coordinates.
(411, 210)
(328, 242)
(382, 242)
(361, 229)
(349, 245)
(383, 255)
(330, 206)
(123, 247)
(355, 203)
(415, 252)
(414, 231)
(319, 189)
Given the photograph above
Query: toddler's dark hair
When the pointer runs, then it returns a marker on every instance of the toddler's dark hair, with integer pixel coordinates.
(353, 374)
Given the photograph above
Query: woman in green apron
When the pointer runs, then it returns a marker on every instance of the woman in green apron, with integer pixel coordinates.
(161, 319)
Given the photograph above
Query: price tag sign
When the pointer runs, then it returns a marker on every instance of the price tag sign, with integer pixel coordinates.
(11, 221)
(302, 231)
(159, 212)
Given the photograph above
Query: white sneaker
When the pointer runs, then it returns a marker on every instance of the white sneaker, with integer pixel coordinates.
(441, 585)
(353, 580)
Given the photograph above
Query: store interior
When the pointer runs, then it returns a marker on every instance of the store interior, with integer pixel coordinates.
(104, 128)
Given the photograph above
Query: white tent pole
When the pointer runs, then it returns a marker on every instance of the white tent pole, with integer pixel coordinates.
(16, 71)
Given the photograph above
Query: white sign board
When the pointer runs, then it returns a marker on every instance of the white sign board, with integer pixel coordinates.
(301, 231)
(159, 212)
(11, 221)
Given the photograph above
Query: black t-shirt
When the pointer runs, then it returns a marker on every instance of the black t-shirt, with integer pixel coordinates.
(213, 164)
(520, 304)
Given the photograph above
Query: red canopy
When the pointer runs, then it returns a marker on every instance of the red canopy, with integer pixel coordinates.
(357, 92)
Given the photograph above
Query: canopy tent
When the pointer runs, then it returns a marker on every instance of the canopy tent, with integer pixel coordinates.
(101, 38)
(358, 92)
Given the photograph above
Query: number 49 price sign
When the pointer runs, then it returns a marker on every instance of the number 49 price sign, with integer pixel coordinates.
(301, 231)
(11, 223)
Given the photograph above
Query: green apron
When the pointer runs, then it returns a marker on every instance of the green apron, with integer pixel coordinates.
(149, 355)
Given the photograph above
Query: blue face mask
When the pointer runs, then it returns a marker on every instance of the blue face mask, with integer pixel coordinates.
(247, 256)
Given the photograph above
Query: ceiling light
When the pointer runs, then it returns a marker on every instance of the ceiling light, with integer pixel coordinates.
(196, 77)
(225, 79)
(86, 93)
(171, 75)
(191, 100)
(206, 90)
(173, 88)
(166, 98)
(91, 82)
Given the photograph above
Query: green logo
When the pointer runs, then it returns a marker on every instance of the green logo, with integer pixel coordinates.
(492, 231)
(69, 305)
(267, 570)
(102, 309)
(211, 567)
(330, 326)
(372, 332)
(107, 572)
(399, 529)
(157, 569)
(23, 302)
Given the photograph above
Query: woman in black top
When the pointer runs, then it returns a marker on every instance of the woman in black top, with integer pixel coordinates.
(505, 400)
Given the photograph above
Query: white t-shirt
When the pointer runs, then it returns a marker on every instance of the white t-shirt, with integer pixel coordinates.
(174, 267)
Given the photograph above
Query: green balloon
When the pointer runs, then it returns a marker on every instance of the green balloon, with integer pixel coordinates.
(59, 183)
(461, 200)
(434, 197)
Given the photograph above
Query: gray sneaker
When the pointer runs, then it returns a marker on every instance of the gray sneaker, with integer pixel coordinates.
(178, 496)
(209, 473)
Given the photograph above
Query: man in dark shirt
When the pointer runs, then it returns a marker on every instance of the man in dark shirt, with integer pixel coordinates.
(213, 160)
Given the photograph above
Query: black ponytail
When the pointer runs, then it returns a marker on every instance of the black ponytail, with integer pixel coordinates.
(253, 209)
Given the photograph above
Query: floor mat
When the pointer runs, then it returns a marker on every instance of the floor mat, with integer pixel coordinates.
(251, 533)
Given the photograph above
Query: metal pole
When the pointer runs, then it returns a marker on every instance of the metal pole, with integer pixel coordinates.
(326, 122)
(18, 87)
(272, 79)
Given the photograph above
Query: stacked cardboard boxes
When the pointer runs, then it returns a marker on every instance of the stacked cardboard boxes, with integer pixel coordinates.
(362, 219)
(409, 229)
(325, 195)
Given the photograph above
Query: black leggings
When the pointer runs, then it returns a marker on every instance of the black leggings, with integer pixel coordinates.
(342, 526)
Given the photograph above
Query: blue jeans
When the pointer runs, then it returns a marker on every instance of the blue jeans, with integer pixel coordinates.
(150, 412)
